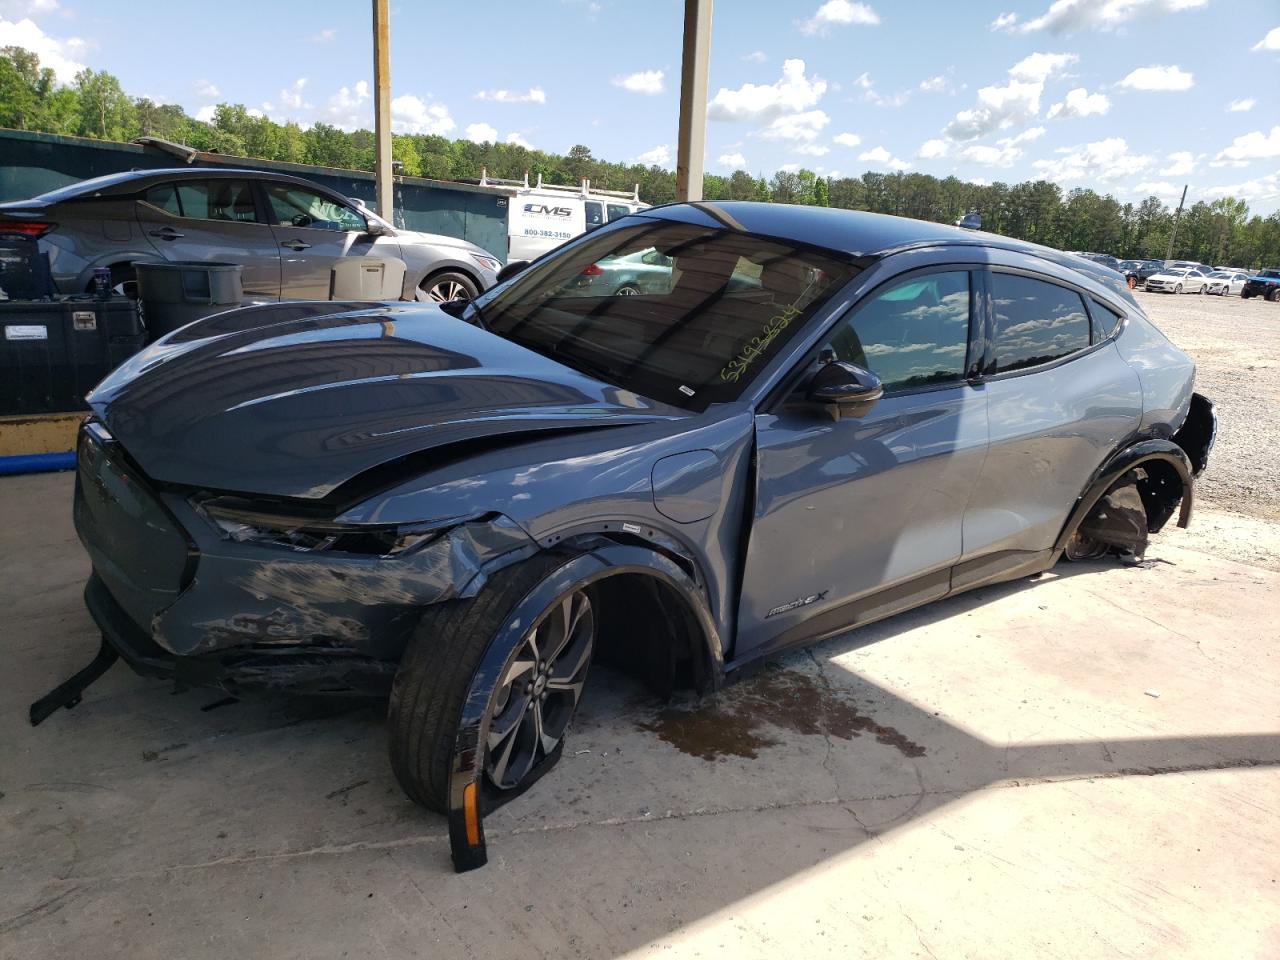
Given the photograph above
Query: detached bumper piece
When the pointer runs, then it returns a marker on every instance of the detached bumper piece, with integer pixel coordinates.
(69, 693)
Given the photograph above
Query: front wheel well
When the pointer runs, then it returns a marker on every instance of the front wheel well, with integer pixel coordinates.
(650, 632)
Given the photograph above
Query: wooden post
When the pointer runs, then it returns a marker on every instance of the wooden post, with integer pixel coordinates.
(694, 67)
(382, 109)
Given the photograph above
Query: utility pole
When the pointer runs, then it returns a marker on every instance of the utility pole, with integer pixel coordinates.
(382, 109)
(694, 66)
(1176, 217)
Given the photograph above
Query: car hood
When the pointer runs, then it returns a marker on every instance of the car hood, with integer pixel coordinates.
(300, 407)
(1167, 276)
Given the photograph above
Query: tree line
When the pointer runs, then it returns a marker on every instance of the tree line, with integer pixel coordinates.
(94, 105)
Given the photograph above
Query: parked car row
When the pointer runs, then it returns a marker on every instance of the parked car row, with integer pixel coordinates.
(1188, 276)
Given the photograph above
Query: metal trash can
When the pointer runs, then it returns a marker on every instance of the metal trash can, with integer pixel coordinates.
(174, 294)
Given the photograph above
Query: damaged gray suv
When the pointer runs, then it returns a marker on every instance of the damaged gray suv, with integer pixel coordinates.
(819, 419)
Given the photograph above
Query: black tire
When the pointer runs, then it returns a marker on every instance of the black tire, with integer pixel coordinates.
(448, 285)
(1273, 294)
(433, 679)
(627, 290)
(1177, 288)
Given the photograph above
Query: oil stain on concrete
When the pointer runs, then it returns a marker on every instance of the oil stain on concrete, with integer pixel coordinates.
(737, 722)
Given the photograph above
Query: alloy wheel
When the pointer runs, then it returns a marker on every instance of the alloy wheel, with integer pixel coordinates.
(447, 290)
(539, 690)
(627, 290)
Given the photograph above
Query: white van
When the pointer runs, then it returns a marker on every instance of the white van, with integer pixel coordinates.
(545, 215)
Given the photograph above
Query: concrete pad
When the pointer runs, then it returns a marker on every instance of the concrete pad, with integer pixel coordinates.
(1080, 765)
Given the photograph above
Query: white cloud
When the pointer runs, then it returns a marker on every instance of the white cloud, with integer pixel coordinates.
(1070, 16)
(532, 95)
(1039, 67)
(206, 113)
(348, 108)
(1158, 188)
(790, 167)
(61, 56)
(756, 56)
(1016, 103)
(516, 140)
(1101, 160)
(1270, 42)
(1005, 152)
(1252, 146)
(792, 93)
(812, 150)
(1180, 164)
(839, 13)
(659, 156)
(481, 133)
(938, 84)
(327, 35)
(206, 90)
(1158, 78)
(646, 81)
(410, 114)
(734, 161)
(1262, 189)
(863, 81)
(255, 112)
(796, 126)
(847, 139)
(882, 156)
(1243, 105)
(933, 149)
(16, 9)
(291, 97)
(1080, 103)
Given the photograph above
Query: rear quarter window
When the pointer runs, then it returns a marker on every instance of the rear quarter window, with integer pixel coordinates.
(1036, 322)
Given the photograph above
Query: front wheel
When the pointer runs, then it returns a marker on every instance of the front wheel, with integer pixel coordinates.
(1177, 288)
(531, 706)
(1273, 294)
(450, 285)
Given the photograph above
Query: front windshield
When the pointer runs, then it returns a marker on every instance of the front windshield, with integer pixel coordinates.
(685, 314)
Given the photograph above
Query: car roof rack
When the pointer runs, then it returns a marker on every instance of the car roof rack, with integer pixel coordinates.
(583, 190)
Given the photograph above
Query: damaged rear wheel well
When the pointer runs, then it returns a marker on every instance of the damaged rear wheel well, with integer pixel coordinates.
(1160, 486)
(649, 631)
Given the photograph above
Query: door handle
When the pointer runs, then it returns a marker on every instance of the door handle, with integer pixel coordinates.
(166, 233)
(295, 244)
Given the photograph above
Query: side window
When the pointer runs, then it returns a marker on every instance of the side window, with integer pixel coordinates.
(1105, 321)
(912, 334)
(165, 197)
(299, 207)
(617, 211)
(595, 214)
(217, 200)
(1036, 322)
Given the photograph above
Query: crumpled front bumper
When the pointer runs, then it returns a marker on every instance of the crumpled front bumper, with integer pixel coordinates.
(177, 598)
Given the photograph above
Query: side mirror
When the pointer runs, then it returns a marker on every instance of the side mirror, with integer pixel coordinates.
(511, 269)
(375, 228)
(845, 385)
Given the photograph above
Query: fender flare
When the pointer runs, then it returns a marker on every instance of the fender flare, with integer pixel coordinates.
(1116, 467)
(602, 560)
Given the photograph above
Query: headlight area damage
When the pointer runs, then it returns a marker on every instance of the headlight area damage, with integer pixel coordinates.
(273, 601)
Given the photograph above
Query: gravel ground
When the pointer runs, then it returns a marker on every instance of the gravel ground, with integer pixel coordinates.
(1236, 346)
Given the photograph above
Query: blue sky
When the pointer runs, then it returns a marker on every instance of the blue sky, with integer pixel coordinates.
(1131, 97)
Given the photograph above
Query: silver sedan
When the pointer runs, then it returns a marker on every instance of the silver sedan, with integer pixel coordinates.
(286, 233)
